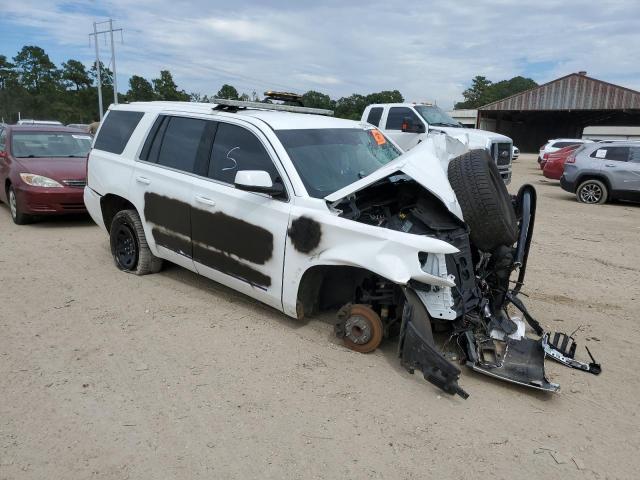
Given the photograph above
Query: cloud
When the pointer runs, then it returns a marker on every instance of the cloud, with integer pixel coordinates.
(428, 50)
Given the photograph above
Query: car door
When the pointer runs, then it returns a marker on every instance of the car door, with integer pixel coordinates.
(162, 184)
(239, 236)
(632, 180)
(4, 162)
(615, 166)
(393, 126)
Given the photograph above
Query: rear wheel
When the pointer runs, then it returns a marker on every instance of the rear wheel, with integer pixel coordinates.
(17, 216)
(592, 191)
(129, 246)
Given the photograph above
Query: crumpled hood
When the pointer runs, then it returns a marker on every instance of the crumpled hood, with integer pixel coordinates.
(426, 163)
(476, 138)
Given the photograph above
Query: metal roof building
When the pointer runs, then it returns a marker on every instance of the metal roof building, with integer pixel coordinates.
(560, 108)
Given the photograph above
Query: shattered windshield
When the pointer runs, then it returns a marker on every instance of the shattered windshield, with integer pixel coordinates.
(329, 159)
(436, 117)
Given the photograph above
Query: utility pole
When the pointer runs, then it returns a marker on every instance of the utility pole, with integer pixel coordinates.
(113, 64)
(95, 33)
(113, 61)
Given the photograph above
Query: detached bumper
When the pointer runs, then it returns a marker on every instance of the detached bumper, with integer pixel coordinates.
(50, 201)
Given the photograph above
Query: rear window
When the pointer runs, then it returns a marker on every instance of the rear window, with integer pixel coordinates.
(375, 114)
(564, 144)
(116, 130)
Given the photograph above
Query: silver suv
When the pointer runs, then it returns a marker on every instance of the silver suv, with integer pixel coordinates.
(603, 171)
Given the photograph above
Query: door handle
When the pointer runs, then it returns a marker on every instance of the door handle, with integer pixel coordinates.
(143, 180)
(205, 201)
(609, 165)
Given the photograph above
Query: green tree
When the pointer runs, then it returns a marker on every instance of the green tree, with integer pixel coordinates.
(106, 75)
(140, 89)
(315, 99)
(351, 107)
(166, 89)
(75, 73)
(483, 91)
(386, 96)
(473, 96)
(227, 91)
(36, 72)
(506, 88)
(7, 74)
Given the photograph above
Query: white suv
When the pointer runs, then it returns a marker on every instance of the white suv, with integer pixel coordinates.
(306, 212)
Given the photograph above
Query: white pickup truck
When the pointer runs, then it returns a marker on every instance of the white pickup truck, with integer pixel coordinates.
(410, 123)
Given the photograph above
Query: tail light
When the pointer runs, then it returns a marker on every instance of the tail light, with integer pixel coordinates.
(545, 156)
(571, 158)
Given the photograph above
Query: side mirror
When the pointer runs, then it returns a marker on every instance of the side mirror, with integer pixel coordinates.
(257, 181)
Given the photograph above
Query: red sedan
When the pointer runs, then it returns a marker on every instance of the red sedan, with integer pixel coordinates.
(554, 166)
(43, 170)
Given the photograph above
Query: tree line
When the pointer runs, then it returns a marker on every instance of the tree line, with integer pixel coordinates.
(483, 91)
(30, 83)
(34, 86)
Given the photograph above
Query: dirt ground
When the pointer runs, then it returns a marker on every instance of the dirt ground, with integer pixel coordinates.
(108, 375)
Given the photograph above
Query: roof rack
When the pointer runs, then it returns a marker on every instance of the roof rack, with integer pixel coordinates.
(235, 105)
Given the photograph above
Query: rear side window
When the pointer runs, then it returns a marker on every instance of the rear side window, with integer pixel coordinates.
(3, 140)
(398, 114)
(620, 154)
(564, 144)
(235, 149)
(116, 130)
(183, 143)
(375, 114)
(634, 154)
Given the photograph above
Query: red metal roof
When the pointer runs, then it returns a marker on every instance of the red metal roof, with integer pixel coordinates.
(572, 92)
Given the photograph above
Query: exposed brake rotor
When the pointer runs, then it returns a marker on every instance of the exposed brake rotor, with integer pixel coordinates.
(361, 328)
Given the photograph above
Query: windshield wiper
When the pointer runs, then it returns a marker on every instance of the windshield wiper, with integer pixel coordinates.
(26, 156)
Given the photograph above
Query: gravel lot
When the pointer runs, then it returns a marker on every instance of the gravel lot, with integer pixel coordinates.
(108, 375)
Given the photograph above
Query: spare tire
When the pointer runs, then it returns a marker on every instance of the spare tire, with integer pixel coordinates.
(484, 200)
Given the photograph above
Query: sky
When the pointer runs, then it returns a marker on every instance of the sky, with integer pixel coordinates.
(429, 50)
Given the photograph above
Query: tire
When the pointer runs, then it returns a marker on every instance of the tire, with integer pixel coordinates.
(17, 216)
(592, 191)
(129, 245)
(484, 200)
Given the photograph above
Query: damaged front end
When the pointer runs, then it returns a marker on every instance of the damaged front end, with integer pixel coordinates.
(473, 312)
(494, 344)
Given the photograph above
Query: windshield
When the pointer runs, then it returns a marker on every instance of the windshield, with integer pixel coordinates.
(329, 159)
(434, 116)
(50, 144)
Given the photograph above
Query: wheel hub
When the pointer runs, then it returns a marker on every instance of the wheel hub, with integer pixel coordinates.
(591, 193)
(126, 248)
(13, 206)
(358, 329)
